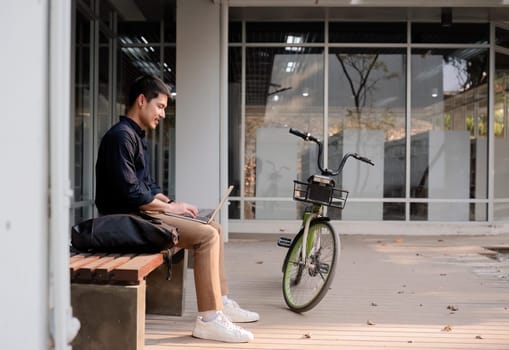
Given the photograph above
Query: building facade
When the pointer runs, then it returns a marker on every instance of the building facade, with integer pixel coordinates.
(420, 90)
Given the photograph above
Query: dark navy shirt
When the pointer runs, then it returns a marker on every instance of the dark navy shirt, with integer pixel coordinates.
(123, 170)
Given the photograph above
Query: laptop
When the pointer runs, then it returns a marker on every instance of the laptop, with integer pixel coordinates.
(205, 216)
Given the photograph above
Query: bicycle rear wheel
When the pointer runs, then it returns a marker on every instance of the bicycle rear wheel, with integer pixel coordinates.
(305, 283)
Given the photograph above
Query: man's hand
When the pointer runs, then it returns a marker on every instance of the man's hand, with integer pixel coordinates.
(182, 208)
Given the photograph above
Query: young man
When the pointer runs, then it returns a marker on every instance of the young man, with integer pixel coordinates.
(124, 185)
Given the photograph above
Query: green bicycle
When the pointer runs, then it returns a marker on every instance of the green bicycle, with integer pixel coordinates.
(312, 256)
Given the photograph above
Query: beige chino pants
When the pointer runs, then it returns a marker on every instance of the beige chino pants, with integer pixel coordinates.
(207, 243)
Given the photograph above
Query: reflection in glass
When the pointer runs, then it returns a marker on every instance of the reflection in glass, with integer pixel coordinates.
(459, 33)
(428, 212)
(234, 123)
(284, 88)
(285, 32)
(367, 116)
(448, 130)
(362, 32)
(501, 157)
(278, 210)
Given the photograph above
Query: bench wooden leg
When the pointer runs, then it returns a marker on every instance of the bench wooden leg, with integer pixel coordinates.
(167, 297)
(112, 317)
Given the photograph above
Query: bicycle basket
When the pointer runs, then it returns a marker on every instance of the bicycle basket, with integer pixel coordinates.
(319, 193)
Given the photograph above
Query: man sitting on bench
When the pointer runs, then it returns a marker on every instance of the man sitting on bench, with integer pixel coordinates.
(124, 185)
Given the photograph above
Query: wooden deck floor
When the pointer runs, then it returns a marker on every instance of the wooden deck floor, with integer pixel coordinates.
(389, 293)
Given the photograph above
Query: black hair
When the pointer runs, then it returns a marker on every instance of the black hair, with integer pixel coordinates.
(148, 85)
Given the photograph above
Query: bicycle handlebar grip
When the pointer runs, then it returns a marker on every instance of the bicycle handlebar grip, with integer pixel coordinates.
(299, 134)
(364, 159)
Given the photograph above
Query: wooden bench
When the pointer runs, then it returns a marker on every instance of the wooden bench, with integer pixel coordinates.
(110, 294)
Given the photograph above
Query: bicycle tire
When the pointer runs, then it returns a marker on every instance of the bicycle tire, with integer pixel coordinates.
(304, 287)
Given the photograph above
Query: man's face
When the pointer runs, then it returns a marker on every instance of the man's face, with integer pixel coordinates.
(151, 112)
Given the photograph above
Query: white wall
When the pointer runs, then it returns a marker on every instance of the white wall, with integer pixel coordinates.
(24, 159)
(197, 103)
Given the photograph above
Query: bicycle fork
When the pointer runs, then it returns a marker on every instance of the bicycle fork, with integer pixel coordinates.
(308, 245)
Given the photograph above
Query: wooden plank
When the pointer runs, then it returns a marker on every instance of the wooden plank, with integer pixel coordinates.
(86, 272)
(102, 274)
(78, 256)
(75, 265)
(137, 268)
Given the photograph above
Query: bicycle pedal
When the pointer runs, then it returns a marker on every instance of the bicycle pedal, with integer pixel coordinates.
(323, 268)
(284, 242)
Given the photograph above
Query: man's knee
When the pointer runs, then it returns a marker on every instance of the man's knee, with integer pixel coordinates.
(209, 236)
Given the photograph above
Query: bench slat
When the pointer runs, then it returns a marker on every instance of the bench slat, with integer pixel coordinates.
(86, 272)
(74, 266)
(137, 268)
(102, 274)
(75, 257)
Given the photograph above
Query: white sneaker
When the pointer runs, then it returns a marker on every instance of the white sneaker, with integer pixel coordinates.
(221, 329)
(235, 313)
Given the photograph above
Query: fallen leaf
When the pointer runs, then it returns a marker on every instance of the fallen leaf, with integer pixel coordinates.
(452, 308)
(370, 323)
(447, 328)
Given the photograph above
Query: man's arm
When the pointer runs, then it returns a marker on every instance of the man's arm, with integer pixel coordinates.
(161, 203)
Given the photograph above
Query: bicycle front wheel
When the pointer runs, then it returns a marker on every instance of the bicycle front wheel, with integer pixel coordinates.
(305, 283)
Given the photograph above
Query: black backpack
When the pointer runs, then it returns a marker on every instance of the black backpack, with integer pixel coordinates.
(123, 233)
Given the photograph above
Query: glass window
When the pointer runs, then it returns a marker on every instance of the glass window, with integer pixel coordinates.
(130, 33)
(361, 32)
(104, 106)
(367, 116)
(448, 212)
(170, 21)
(501, 111)
(458, 33)
(234, 122)
(285, 32)
(284, 88)
(235, 32)
(83, 120)
(106, 13)
(448, 129)
(502, 37)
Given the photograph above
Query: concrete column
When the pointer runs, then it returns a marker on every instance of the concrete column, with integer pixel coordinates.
(198, 102)
(24, 207)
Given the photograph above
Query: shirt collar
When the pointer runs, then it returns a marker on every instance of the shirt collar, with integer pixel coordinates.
(133, 124)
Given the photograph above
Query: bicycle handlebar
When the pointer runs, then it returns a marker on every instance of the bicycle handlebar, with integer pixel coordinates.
(305, 136)
(363, 159)
(308, 137)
